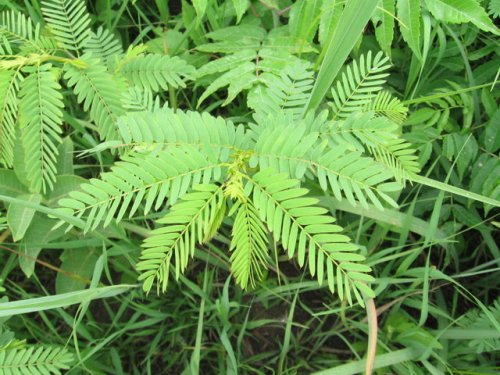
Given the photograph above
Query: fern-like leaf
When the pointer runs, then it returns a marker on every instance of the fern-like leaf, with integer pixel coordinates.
(360, 130)
(348, 174)
(16, 29)
(357, 178)
(168, 128)
(476, 319)
(139, 100)
(40, 110)
(250, 53)
(151, 176)
(34, 360)
(68, 21)
(156, 72)
(384, 104)
(359, 84)
(249, 258)
(286, 93)
(99, 92)
(307, 231)
(283, 147)
(104, 45)
(187, 223)
(399, 156)
(9, 87)
(377, 136)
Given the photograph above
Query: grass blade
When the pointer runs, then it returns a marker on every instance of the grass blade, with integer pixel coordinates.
(384, 360)
(353, 20)
(61, 300)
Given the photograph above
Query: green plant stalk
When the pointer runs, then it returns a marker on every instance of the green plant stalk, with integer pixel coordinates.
(371, 315)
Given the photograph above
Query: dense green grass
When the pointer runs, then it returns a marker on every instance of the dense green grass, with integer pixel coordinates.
(405, 87)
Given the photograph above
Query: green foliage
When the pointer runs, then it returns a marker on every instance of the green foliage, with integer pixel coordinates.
(384, 104)
(205, 149)
(409, 15)
(3, 223)
(304, 228)
(34, 360)
(69, 22)
(249, 244)
(31, 71)
(286, 93)
(494, 8)
(460, 11)
(379, 137)
(104, 45)
(99, 92)
(291, 210)
(476, 319)
(359, 85)
(383, 21)
(40, 115)
(17, 32)
(156, 72)
(249, 53)
(9, 86)
(189, 222)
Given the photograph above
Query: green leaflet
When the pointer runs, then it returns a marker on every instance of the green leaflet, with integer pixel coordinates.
(304, 19)
(9, 86)
(383, 20)
(339, 169)
(356, 178)
(188, 223)
(17, 29)
(40, 109)
(359, 84)
(359, 130)
(35, 360)
(226, 39)
(409, 24)
(249, 256)
(230, 78)
(168, 128)
(277, 147)
(306, 231)
(494, 8)
(353, 19)
(156, 72)
(250, 52)
(240, 7)
(461, 11)
(104, 45)
(99, 92)
(286, 93)
(68, 21)
(19, 217)
(150, 176)
(379, 137)
(384, 104)
(200, 6)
